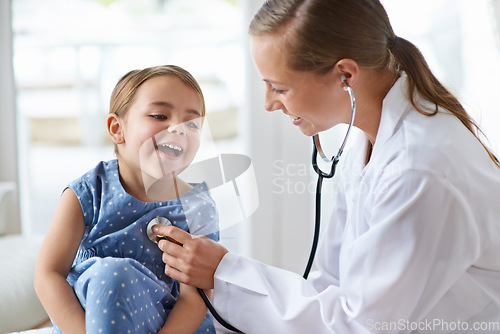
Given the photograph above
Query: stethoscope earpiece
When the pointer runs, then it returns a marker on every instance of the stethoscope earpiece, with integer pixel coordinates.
(343, 79)
(156, 221)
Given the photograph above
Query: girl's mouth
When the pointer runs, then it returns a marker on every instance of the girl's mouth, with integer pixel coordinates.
(170, 150)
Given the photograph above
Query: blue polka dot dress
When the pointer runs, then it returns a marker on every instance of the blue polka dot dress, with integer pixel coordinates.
(118, 273)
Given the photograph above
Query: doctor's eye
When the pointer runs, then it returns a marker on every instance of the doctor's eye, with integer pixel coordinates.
(277, 91)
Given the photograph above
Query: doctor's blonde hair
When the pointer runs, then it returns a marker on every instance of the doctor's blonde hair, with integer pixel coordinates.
(319, 33)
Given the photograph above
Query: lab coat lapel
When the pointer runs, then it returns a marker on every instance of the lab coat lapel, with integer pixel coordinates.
(357, 176)
(394, 109)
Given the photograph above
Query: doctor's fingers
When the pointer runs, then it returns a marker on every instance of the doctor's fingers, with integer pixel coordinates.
(171, 247)
(172, 266)
(173, 233)
(186, 273)
(195, 252)
(179, 258)
(197, 259)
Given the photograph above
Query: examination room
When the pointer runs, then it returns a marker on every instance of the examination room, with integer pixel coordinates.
(156, 155)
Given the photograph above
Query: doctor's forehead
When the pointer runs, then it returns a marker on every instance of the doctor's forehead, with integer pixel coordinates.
(269, 57)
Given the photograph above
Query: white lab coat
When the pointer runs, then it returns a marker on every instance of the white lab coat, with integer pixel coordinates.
(413, 243)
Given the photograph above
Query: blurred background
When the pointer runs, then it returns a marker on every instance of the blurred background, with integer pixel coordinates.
(61, 59)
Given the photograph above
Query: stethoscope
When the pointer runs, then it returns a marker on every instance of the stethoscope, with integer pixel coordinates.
(317, 150)
(321, 175)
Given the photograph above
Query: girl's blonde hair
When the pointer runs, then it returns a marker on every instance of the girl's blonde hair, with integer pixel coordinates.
(319, 33)
(125, 90)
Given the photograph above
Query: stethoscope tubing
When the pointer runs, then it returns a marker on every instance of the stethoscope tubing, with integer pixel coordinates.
(317, 143)
(214, 312)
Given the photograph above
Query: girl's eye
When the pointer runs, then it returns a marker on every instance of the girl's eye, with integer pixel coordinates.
(192, 125)
(277, 91)
(159, 116)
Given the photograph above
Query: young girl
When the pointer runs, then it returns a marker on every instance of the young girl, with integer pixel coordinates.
(98, 272)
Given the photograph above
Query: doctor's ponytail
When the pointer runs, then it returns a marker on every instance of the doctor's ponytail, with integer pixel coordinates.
(406, 57)
(318, 33)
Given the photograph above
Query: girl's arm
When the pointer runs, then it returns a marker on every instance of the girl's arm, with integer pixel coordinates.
(187, 313)
(54, 263)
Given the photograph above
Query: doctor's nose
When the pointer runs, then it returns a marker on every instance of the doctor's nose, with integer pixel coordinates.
(271, 103)
(273, 106)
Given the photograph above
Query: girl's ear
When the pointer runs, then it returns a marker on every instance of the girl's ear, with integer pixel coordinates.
(115, 129)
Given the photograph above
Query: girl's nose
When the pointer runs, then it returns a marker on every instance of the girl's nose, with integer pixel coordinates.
(179, 128)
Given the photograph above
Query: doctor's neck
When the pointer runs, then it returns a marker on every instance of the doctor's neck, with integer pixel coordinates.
(370, 89)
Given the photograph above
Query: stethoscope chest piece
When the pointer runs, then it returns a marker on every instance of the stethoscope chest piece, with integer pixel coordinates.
(156, 221)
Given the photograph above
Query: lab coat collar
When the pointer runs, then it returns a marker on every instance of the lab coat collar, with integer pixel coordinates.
(395, 107)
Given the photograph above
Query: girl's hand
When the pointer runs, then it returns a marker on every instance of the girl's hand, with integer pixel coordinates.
(189, 259)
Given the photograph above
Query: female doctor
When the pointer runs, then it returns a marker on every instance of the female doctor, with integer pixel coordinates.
(414, 238)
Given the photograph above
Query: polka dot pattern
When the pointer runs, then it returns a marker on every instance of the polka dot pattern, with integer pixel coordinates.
(118, 273)
(120, 295)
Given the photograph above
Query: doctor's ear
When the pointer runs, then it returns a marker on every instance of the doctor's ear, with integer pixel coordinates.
(347, 70)
(115, 129)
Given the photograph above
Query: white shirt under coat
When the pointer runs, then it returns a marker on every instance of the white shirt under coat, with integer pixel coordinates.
(414, 241)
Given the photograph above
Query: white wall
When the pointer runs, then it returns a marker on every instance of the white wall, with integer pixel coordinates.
(8, 142)
(481, 70)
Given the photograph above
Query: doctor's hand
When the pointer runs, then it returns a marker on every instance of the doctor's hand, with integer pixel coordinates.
(189, 259)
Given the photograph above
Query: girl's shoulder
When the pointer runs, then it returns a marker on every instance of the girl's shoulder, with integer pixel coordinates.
(105, 170)
(104, 173)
